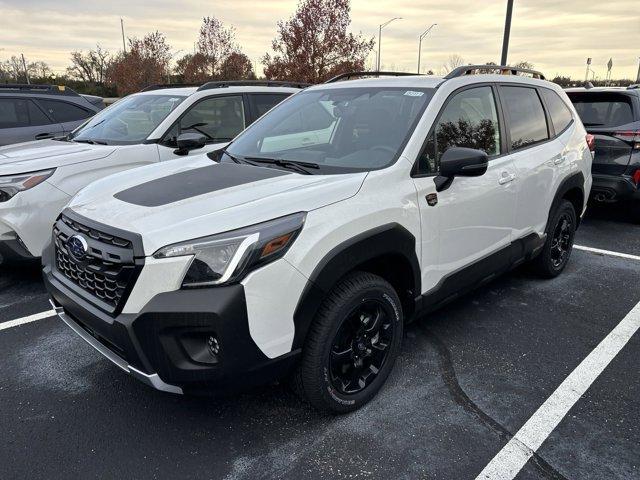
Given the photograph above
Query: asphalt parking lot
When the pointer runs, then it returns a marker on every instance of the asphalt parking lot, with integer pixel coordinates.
(469, 378)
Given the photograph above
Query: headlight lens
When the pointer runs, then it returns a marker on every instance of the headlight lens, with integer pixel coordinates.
(224, 258)
(10, 185)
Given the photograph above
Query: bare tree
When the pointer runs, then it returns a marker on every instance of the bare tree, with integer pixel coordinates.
(91, 66)
(453, 62)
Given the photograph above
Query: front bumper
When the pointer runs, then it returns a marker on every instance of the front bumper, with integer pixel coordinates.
(167, 344)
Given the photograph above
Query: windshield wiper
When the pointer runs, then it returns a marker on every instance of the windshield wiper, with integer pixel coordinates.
(234, 158)
(91, 142)
(300, 167)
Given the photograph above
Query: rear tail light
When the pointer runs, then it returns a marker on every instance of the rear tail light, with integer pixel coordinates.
(636, 177)
(629, 136)
(591, 142)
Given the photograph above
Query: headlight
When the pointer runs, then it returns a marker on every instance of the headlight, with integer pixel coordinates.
(225, 257)
(12, 184)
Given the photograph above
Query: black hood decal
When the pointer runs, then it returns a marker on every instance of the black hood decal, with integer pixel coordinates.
(183, 185)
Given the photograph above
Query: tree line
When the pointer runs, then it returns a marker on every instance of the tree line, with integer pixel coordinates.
(311, 46)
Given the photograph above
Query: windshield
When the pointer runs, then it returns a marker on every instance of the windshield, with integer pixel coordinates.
(128, 121)
(340, 130)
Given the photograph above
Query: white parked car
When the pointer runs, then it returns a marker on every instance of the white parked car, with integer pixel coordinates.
(304, 247)
(37, 179)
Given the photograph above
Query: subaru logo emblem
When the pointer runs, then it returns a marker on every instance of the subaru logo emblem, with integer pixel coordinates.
(77, 246)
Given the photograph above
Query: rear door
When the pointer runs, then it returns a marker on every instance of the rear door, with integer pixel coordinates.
(21, 120)
(261, 103)
(68, 114)
(539, 159)
(613, 118)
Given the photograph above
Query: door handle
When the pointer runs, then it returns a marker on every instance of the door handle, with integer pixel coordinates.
(506, 178)
(42, 136)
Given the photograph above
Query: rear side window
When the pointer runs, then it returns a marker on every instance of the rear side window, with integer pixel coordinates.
(602, 109)
(17, 112)
(264, 102)
(527, 121)
(470, 120)
(558, 110)
(64, 111)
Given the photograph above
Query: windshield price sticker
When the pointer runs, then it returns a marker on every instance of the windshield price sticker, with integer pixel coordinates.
(411, 93)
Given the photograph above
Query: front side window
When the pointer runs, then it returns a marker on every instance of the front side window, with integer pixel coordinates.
(128, 121)
(527, 121)
(339, 129)
(558, 110)
(470, 120)
(64, 111)
(219, 119)
(18, 112)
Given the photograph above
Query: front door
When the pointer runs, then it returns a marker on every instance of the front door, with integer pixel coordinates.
(218, 118)
(474, 217)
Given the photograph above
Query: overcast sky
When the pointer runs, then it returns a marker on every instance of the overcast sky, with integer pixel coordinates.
(556, 36)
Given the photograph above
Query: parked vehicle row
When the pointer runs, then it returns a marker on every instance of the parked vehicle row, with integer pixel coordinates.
(153, 126)
(300, 249)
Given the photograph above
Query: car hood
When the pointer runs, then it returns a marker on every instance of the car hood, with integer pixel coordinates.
(43, 154)
(172, 202)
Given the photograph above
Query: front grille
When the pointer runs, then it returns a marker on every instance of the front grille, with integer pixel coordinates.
(105, 272)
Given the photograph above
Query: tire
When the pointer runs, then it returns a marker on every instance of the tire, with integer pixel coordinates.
(346, 346)
(557, 248)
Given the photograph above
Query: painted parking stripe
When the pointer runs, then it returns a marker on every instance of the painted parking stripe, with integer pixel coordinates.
(599, 251)
(515, 454)
(31, 318)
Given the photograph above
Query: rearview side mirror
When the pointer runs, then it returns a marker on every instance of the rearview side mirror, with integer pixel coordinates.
(460, 162)
(189, 141)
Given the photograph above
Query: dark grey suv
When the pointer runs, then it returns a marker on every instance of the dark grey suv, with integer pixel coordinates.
(35, 112)
(612, 116)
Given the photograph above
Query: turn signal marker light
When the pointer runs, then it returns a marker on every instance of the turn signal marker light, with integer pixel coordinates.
(276, 244)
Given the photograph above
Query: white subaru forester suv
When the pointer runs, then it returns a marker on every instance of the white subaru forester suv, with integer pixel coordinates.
(303, 248)
(37, 179)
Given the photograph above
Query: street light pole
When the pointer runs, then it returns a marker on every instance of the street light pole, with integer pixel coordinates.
(638, 77)
(380, 37)
(507, 32)
(424, 34)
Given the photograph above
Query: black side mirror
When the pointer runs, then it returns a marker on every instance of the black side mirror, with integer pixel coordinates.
(189, 141)
(460, 162)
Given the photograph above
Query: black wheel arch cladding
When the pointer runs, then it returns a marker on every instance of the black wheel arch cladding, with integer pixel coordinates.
(571, 189)
(388, 251)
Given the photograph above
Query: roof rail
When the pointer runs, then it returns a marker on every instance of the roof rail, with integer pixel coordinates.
(30, 88)
(161, 86)
(349, 75)
(484, 69)
(252, 83)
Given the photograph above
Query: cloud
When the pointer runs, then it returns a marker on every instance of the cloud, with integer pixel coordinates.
(556, 37)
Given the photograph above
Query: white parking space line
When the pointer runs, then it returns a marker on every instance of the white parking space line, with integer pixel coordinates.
(31, 318)
(599, 251)
(510, 460)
